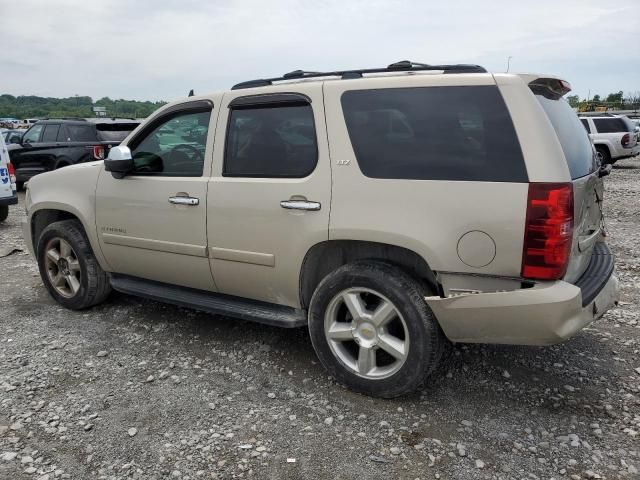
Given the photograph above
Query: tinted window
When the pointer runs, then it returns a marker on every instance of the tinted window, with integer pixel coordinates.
(81, 133)
(50, 133)
(175, 147)
(434, 133)
(33, 134)
(573, 139)
(585, 124)
(114, 132)
(610, 125)
(271, 141)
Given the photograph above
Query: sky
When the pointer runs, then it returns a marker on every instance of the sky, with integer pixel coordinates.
(159, 49)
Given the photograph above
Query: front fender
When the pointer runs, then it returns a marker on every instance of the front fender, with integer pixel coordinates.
(72, 190)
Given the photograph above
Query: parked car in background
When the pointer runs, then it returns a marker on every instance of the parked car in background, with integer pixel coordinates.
(614, 136)
(30, 121)
(7, 183)
(12, 136)
(55, 143)
(388, 210)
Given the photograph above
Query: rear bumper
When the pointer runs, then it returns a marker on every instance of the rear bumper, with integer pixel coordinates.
(627, 153)
(12, 200)
(24, 174)
(544, 314)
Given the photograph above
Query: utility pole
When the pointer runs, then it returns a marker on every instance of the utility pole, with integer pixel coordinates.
(509, 62)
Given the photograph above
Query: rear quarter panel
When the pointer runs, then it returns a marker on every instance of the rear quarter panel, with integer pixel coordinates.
(426, 216)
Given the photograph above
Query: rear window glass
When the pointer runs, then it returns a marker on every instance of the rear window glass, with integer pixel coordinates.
(434, 133)
(114, 132)
(82, 133)
(610, 125)
(572, 136)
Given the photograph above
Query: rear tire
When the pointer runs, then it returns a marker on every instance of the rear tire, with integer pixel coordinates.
(603, 155)
(68, 268)
(393, 342)
(19, 186)
(4, 212)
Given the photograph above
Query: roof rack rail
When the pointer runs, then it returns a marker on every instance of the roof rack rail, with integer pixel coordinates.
(65, 118)
(401, 66)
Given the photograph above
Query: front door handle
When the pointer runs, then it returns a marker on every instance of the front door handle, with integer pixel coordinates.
(300, 205)
(184, 200)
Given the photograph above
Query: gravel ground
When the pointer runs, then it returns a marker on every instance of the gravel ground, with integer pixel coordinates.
(138, 389)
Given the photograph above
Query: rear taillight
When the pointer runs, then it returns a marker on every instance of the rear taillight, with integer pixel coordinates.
(626, 140)
(98, 152)
(12, 173)
(548, 231)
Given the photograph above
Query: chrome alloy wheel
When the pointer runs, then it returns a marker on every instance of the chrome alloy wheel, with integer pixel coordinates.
(366, 332)
(63, 267)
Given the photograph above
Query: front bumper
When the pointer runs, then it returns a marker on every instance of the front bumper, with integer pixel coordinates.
(12, 200)
(544, 314)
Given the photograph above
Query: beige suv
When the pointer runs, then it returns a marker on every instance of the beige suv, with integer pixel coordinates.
(390, 210)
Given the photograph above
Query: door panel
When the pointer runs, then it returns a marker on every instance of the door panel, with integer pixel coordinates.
(256, 245)
(143, 229)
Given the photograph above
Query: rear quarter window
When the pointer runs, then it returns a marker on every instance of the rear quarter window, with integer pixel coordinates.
(573, 138)
(82, 133)
(610, 125)
(434, 133)
(114, 132)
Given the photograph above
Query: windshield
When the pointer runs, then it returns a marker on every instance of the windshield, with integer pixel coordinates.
(573, 138)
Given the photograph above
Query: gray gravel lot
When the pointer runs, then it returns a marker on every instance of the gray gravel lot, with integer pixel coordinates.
(138, 389)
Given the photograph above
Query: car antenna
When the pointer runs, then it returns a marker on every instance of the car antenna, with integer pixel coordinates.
(190, 93)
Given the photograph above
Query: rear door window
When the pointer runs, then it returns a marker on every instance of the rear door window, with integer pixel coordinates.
(434, 133)
(271, 141)
(575, 142)
(610, 125)
(50, 133)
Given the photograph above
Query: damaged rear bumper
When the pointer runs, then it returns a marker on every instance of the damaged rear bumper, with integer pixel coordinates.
(546, 313)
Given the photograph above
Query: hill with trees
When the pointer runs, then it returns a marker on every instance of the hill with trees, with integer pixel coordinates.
(31, 106)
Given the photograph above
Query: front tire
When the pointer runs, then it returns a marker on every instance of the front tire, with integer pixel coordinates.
(68, 268)
(4, 212)
(373, 331)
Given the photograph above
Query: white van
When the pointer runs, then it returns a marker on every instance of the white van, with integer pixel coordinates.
(8, 194)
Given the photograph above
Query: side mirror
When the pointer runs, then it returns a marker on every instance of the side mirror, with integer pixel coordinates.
(119, 162)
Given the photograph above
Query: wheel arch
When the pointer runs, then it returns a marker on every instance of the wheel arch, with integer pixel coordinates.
(44, 217)
(603, 145)
(327, 256)
(62, 162)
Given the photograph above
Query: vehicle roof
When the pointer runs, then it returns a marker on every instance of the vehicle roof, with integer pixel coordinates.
(600, 115)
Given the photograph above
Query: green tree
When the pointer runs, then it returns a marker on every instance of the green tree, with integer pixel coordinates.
(614, 97)
(573, 100)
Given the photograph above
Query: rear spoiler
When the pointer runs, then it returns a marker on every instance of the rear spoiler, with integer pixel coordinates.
(553, 88)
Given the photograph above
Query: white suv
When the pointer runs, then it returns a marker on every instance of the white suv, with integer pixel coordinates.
(7, 182)
(614, 136)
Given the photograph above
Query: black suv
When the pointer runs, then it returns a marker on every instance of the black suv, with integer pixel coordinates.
(55, 143)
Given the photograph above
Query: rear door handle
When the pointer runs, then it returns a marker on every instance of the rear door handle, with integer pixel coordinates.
(184, 200)
(300, 205)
